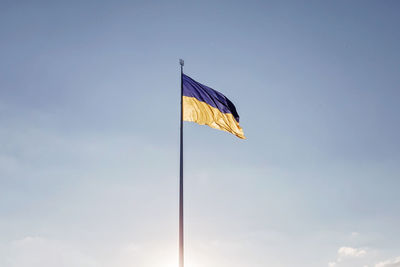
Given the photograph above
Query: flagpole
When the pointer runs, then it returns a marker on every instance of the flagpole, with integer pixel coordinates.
(181, 263)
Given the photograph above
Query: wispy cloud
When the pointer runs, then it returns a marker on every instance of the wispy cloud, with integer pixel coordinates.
(389, 263)
(344, 252)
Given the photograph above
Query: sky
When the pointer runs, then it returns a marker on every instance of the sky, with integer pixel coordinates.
(89, 134)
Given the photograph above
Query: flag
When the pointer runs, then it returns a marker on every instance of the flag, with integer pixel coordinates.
(205, 106)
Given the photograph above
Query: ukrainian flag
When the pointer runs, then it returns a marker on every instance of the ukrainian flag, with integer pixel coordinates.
(205, 106)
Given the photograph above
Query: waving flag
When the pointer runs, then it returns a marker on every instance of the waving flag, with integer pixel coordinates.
(205, 106)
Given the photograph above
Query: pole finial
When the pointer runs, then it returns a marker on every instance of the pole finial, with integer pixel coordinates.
(181, 62)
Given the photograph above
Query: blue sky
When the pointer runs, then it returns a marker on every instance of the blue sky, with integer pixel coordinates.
(89, 114)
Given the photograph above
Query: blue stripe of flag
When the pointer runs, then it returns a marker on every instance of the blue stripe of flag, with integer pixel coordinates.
(203, 93)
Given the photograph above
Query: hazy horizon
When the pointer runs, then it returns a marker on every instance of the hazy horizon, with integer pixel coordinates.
(89, 113)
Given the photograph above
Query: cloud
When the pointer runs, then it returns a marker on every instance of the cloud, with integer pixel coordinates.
(347, 254)
(389, 263)
(349, 257)
(344, 252)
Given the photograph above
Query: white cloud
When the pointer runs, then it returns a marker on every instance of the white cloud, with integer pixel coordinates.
(350, 257)
(347, 255)
(389, 263)
(350, 252)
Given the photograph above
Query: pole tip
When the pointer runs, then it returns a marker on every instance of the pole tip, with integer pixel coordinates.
(181, 62)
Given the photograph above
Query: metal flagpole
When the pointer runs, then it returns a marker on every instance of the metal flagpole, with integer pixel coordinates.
(181, 62)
